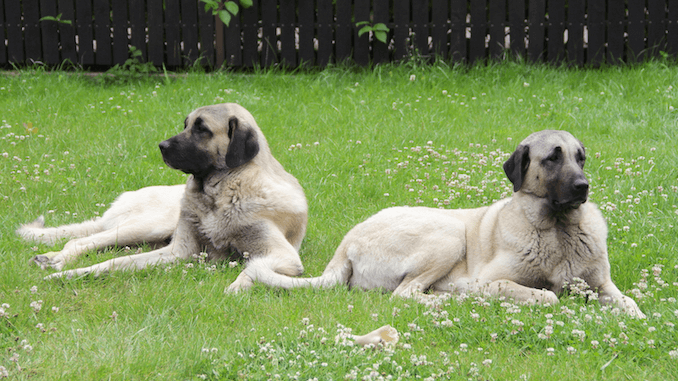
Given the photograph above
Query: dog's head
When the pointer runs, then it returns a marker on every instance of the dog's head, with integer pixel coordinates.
(550, 164)
(215, 138)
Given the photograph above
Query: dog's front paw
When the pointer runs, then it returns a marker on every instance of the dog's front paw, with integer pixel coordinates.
(542, 297)
(49, 260)
(242, 283)
(630, 307)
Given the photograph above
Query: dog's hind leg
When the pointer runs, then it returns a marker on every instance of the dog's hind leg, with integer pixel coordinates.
(130, 233)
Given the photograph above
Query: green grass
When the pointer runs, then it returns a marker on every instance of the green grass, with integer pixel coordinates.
(358, 141)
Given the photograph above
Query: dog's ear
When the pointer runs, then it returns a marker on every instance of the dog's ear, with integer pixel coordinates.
(516, 166)
(243, 146)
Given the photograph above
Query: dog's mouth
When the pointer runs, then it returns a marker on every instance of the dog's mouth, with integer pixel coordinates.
(567, 204)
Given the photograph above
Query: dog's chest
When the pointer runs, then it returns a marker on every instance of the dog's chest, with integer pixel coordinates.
(228, 221)
(556, 256)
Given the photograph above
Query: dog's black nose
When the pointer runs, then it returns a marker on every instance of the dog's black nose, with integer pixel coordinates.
(581, 185)
(164, 145)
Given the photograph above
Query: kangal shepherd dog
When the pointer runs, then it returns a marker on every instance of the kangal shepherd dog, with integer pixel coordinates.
(238, 202)
(527, 247)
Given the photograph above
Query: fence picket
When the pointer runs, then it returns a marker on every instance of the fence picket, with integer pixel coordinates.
(32, 30)
(517, 26)
(476, 49)
(342, 33)
(325, 21)
(380, 49)
(439, 27)
(615, 32)
(556, 31)
(120, 43)
(497, 10)
(596, 32)
(49, 33)
(458, 30)
(189, 31)
(137, 25)
(102, 32)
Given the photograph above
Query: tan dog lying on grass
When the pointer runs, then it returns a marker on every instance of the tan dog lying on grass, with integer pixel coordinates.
(528, 247)
(239, 202)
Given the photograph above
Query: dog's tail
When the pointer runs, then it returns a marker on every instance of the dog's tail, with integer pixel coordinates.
(37, 232)
(338, 271)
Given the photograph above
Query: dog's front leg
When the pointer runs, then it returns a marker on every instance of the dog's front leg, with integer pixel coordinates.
(183, 246)
(519, 293)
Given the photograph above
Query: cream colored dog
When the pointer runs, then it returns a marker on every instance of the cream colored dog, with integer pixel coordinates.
(528, 247)
(239, 202)
(148, 215)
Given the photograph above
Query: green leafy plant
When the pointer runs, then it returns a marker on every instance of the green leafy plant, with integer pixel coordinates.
(133, 67)
(379, 29)
(225, 9)
(57, 19)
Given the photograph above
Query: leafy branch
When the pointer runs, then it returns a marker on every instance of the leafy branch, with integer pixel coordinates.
(379, 29)
(57, 19)
(225, 9)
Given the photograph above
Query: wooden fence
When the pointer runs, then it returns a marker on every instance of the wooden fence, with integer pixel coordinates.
(177, 33)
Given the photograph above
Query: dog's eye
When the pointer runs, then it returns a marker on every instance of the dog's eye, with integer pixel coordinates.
(200, 129)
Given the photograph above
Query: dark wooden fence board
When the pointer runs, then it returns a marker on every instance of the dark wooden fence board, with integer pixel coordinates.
(497, 10)
(380, 49)
(440, 12)
(83, 21)
(361, 47)
(672, 28)
(137, 25)
(288, 51)
(120, 42)
(50, 34)
(478, 30)
(269, 20)
(32, 30)
(556, 31)
(535, 48)
(517, 26)
(306, 24)
(178, 33)
(420, 28)
(69, 52)
(102, 32)
(231, 37)
(636, 30)
(343, 32)
(189, 30)
(401, 32)
(575, 32)
(458, 50)
(156, 40)
(656, 27)
(615, 32)
(250, 28)
(207, 36)
(325, 21)
(172, 33)
(596, 28)
(3, 50)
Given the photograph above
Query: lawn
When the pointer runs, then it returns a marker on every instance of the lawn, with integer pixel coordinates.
(358, 141)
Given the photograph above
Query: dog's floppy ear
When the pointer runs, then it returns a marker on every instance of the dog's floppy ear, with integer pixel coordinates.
(516, 166)
(243, 146)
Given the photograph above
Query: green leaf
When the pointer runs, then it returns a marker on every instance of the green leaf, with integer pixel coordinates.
(225, 17)
(232, 7)
(361, 23)
(381, 27)
(364, 30)
(380, 35)
(246, 3)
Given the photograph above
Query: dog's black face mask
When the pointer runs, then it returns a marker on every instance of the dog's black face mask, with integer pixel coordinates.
(185, 153)
(199, 150)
